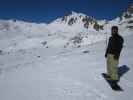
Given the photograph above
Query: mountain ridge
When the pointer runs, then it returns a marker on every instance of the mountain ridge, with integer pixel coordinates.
(74, 30)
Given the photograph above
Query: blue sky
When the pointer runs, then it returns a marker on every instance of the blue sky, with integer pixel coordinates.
(48, 10)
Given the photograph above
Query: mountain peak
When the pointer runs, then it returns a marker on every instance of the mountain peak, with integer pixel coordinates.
(80, 20)
(73, 13)
(73, 18)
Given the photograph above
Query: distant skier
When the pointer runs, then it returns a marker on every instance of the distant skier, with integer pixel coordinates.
(112, 54)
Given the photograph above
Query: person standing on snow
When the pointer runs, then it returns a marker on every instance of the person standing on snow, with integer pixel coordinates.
(112, 54)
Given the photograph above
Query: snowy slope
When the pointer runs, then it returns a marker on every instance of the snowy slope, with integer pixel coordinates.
(12, 28)
(62, 74)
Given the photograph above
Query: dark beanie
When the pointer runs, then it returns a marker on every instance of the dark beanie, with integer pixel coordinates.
(115, 27)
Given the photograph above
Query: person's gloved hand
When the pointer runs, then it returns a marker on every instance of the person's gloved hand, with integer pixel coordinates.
(105, 55)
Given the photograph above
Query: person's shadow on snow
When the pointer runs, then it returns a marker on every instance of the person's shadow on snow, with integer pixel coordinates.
(123, 70)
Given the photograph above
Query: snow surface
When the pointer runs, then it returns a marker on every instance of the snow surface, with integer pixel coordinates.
(62, 74)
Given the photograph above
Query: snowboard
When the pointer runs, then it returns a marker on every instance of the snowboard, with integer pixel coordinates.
(114, 85)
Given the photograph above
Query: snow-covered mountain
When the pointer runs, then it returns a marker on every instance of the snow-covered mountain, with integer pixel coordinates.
(15, 28)
(17, 35)
(79, 29)
(71, 30)
(124, 22)
(76, 22)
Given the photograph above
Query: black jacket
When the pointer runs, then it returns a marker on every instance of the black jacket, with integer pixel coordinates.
(115, 46)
